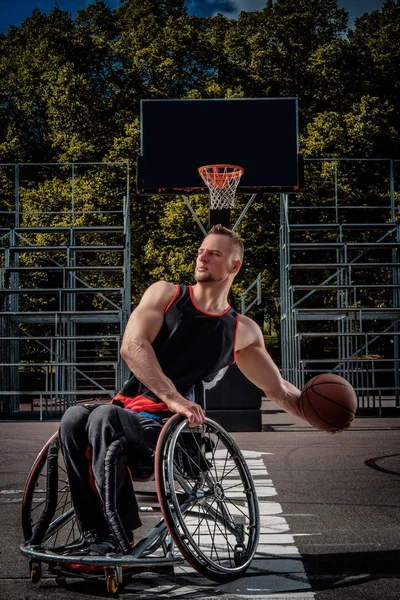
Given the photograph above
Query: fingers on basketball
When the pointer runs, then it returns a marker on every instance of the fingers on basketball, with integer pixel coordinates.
(328, 402)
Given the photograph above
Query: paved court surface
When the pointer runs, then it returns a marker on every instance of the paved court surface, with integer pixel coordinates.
(330, 513)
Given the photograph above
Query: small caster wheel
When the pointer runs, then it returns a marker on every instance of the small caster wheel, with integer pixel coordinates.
(239, 554)
(35, 571)
(61, 581)
(111, 584)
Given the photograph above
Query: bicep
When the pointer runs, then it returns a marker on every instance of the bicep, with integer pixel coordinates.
(146, 320)
(144, 323)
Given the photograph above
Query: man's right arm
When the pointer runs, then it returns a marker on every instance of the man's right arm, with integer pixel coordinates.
(137, 351)
(257, 365)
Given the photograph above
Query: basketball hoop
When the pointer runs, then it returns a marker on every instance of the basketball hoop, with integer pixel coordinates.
(222, 181)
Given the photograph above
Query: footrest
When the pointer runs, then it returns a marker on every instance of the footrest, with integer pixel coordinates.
(46, 556)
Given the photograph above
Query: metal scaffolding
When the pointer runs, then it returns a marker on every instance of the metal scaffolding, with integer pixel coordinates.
(64, 283)
(65, 280)
(340, 277)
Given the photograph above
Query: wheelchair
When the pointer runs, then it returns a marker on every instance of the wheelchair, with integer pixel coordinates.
(205, 499)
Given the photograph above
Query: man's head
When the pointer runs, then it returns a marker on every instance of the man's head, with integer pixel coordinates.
(220, 255)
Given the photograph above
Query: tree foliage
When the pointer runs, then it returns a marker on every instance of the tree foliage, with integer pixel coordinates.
(70, 91)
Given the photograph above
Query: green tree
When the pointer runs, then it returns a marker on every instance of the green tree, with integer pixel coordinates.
(162, 49)
(376, 41)
(70, 90)
(272, 48)
(367, 130)
(57, 86)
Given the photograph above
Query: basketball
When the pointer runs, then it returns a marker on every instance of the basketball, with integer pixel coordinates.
(328, 402)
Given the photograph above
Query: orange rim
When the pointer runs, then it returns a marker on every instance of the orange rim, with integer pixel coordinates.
(219, 176)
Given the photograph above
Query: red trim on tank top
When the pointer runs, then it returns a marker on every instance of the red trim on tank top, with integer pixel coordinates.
(235, 336)
(203, 311)
(178, 289)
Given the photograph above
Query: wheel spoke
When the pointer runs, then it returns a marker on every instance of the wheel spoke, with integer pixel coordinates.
(204, 516)
(236, 506)
(216, 533)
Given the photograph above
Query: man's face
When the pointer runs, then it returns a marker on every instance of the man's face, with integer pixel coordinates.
(216, 259)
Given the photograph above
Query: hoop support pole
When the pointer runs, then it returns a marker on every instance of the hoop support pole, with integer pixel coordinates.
(194, 214)
(244, 211)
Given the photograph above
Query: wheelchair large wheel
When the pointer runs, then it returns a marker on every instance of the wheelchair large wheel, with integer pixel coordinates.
(207, 497)
(48, 476)
(52, 534)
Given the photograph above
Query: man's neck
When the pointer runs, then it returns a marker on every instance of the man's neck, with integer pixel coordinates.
(211, 297)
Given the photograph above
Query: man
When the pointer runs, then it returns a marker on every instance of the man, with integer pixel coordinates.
(177, 337)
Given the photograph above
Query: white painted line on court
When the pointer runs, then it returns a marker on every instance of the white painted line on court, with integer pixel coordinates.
(298, 515)
(277, 571)
(306, 534)
(6, 499)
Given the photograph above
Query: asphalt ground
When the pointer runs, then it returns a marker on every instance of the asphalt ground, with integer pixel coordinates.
(338, 503)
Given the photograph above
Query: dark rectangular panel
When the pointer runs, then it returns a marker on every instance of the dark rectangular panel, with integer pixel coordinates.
(178, 136)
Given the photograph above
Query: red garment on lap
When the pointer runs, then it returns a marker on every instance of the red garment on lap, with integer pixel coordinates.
(141, 403)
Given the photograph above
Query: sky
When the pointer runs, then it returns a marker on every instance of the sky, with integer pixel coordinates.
(13, 12)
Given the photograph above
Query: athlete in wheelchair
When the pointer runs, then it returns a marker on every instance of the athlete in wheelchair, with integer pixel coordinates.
(177, 337)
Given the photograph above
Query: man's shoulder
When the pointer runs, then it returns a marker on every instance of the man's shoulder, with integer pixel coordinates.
(163, 286)
(248, 332)
(248, 323)
(160, 293)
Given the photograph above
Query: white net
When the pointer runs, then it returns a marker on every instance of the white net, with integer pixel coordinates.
(222, 181)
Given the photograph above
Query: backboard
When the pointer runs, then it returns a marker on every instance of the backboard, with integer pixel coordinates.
(179, 136)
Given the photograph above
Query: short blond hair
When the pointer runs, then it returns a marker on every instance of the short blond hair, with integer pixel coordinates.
(236, 240)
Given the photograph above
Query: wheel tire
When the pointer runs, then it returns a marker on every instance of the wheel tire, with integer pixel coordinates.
(33, 502)
(111, 584)
(36, 573)
(30, 488)
(211, 495)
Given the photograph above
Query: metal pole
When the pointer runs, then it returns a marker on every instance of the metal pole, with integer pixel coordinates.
(194, 214)
(244, 211)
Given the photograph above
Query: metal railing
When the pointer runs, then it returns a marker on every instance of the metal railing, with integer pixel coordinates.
(64, 283)
(340, 277)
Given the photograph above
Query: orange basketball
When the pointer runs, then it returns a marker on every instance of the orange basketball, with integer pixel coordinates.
(328, 402)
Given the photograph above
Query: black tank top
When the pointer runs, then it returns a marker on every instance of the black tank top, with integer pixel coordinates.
(191, 346)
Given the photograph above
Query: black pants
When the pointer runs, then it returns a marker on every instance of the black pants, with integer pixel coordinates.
(81, 428)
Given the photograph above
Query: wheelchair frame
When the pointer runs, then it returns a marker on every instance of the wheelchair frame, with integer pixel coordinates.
(205, 493)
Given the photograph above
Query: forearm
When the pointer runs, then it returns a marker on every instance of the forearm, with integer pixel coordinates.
(137, 351)
(287, 398)
(142, 361)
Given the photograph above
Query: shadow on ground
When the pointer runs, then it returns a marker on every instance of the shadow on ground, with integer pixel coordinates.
(347, 568)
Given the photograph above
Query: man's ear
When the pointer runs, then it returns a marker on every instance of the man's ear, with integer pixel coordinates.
(236, 266)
